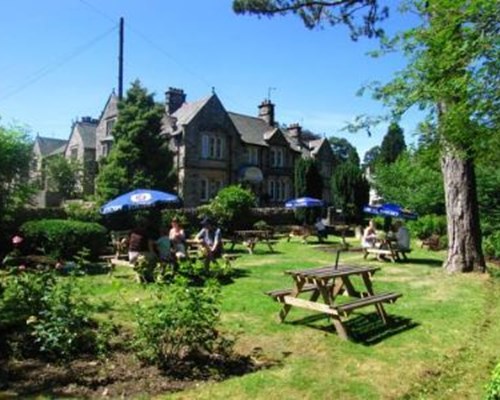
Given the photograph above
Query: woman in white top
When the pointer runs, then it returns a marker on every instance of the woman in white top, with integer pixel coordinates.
(369, 235)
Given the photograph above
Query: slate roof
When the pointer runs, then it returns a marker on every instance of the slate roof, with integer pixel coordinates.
(49, 145)
(59, 150)
(253, 130)
(184, 114)
(87, 133)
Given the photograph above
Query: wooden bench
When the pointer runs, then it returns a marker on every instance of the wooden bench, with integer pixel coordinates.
(229, 259)
(391, 252)
(346, 308)
(278, 294)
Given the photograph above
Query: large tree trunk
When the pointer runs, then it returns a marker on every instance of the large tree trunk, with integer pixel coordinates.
(462, 212)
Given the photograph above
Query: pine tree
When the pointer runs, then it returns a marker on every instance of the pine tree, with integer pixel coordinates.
(393, 144)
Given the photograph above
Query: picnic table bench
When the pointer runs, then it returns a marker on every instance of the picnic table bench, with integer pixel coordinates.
(194, 253)
(387, 248)
(250, 238)
(329, 283)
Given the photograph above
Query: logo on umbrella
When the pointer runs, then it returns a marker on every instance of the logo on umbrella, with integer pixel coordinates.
(140, 197)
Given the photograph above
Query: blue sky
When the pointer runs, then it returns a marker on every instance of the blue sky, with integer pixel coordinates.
(59, 62)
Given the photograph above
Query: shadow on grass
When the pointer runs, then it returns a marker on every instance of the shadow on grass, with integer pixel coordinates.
(367, 329)
(424, 261)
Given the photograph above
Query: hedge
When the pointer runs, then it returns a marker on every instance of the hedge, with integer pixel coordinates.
(64, 238)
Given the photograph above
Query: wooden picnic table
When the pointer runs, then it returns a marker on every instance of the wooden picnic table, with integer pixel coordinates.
(327, 284)
(387, 247)
(249, 238)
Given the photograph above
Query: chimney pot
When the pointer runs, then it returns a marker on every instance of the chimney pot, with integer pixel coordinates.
(174, 99)
(266, 111)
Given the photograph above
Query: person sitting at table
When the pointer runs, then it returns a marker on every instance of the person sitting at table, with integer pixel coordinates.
(402, 237)
(164, 246)
(177, 239)
(320, 229)
(139, 243)
(369, 235)
(211, 240)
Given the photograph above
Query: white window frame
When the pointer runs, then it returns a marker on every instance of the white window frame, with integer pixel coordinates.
(212, 147)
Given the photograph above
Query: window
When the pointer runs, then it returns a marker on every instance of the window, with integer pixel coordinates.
(74, 153)
(278, 190)
(215, 186)
(106, 148)
(212, 147)
(209, 188)
(277, 157)
(253, 155)
(109, 126)
(204, 189)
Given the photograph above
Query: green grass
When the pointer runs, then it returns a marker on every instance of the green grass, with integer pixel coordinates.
(443, 345)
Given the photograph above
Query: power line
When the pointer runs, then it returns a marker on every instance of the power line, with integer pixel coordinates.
(152, 43)
(47, 69)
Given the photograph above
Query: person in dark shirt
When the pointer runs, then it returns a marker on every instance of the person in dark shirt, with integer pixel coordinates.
(139, 243)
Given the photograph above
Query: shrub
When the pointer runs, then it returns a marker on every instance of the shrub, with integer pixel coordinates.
(493, 387)
(231, 207)
(178, 323)
(491, 245)
(428, 225)
(42, 314)
(78, 211)
(63, 327)
(63, 239)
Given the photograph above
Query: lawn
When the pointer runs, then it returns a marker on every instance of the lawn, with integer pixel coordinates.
(442, 344)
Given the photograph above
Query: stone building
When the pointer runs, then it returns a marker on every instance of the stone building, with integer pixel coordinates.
(212, 148)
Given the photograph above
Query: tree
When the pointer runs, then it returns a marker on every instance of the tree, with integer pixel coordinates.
(393, 144)
(350, 190)
(15, 161)
(343, 151)
(62, 175)
(413, 182)
(453, 72)
(308, 181)
(140, 156)
(371, 157)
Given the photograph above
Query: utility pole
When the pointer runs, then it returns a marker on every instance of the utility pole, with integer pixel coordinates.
(120, 62)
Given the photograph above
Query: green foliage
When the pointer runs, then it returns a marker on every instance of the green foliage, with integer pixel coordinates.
(393, 144)
(230, 206)
(62, 175)
(180, 321)
(413, 181)
(22, 297)
(491, 245)
(41, 313)
(64, 238)
(350, 190)
(320, 12)
(15, 161)
(140, 157)
(308, 181)
(63, 328)
(428, 225)
(493, 387)
(371, 157)
(80, 211)
(343, 151)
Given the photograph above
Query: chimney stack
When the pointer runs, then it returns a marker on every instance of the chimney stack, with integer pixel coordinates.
(266, 112)
(295, 131)
(174, 99)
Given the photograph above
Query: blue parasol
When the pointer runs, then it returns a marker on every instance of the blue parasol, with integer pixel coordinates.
(390, 210)
(304, 202)
(139, 198)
